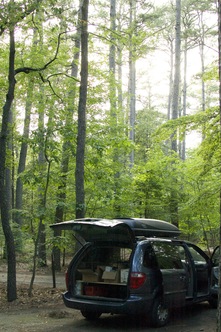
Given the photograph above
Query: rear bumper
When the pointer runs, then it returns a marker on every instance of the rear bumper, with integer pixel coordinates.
(132, 305)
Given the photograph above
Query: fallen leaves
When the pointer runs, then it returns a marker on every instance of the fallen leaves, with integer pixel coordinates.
(42, 297)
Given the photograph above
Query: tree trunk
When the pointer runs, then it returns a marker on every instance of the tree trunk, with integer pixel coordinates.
(132, 77)
(79, 172)
(183, 144)
(22, 157)
(17, 215)
(42, 167)
(113, 101)
(61, 196)
(176, 85)
(201, 48)
(9, 167)
(175, 112)
(39, 232)
(170, 80)
(219, 288)
(5, 213)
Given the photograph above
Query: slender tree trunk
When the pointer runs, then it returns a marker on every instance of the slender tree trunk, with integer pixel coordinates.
(23, 154)
(5, 213)
(112, 63)
(120, 79)
(201, 48)
(61, 196)
(219, 288)
(175, 111)
(176, 85)
(9, 167)
(132, 77)
(42, 162)
(42, 199)
(183, 145)
(113, 101)
(170, 80)
(39, 232)
(79, 172)
(17, 215)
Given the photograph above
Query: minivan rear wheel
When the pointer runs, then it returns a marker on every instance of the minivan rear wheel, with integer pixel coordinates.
(213, 301)
(90, 315)
(159, 314)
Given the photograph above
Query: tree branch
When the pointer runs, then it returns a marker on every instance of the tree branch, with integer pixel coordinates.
(64, 74)
(27, 70)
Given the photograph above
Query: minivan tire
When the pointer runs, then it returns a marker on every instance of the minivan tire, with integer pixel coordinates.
(213, 301)
(91, 315)
(159, 314)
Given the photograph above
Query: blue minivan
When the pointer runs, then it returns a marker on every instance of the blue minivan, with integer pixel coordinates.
(135, 266)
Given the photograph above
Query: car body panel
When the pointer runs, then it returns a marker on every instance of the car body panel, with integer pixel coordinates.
(201, 266)
(215, 271)
(135, 304)
(100, 230)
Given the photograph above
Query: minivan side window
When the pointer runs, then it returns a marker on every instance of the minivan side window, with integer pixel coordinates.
(168, 256)
(197, 255)
(149, 259)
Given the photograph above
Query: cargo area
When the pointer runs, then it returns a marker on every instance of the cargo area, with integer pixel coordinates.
(102, 272)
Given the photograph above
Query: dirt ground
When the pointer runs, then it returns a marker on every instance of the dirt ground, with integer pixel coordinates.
(45, 311)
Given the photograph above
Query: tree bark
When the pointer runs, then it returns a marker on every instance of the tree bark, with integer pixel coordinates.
(219, 288)
(5, 213)
(176, 85)
(170, 96)
(175, 111)
(201, 48)
(132, 77)
(41, 189)
(80, 155)
(39, 232)
(183, 144)
(22, 157)
(113, 101)
(17, 215)
(61, 196)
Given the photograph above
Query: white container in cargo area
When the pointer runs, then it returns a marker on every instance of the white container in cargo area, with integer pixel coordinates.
(78, 287)
(124, 275)
(108, 268)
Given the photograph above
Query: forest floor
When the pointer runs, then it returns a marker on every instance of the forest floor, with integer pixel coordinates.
(45, 311)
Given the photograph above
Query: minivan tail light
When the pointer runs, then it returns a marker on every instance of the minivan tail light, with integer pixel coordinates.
(137, 279)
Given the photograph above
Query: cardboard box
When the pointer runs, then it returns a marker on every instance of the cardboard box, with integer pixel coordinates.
(89, 275)
(110, 276)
